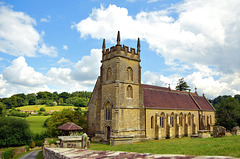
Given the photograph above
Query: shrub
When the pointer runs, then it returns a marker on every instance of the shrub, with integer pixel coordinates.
(27, 148)
(42, 109)
(14, 132)
(8, 154)
(39, 138)
(32, 145)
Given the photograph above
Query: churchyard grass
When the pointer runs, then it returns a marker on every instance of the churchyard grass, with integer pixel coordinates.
(37, 123)
(225, 146)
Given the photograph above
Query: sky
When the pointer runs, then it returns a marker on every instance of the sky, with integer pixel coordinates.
(56, 45)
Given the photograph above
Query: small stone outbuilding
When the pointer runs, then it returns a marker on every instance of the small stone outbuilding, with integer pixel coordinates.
(70, 129)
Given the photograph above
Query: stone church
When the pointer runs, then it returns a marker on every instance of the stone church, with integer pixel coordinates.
(123, 110)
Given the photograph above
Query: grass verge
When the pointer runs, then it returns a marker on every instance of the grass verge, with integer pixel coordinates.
(225, 146)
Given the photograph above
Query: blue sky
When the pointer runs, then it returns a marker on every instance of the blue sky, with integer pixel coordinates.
(56, 45)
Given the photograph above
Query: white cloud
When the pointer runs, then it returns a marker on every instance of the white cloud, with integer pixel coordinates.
(87, 69)
(65, 47)
(203, 39)
(22, 74)
(203, 32)
(50, 51)
(18, 36)
(45, 19)
(63, 60)
(131, 1)
(21, 78)
(151, 1)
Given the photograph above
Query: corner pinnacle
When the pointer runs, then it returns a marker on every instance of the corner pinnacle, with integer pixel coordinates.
(118, 38)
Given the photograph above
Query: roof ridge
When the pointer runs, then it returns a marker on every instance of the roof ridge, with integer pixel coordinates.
(209, 103)
(166, 89)
(195, 101)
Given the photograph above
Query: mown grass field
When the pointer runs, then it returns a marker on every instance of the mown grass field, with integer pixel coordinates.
(226, 146)
(37, 123)
(48, 108)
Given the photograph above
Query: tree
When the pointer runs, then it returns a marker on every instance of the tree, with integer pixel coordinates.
(64, 116)
(31, 99)
(228, 112)
(182, 85)
(2, 108)
(64, 96)
(14, 132)
(42, 109)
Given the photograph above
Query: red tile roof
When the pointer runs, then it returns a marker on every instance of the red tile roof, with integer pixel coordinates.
(203, 103)
(70, 126)
(165, 98)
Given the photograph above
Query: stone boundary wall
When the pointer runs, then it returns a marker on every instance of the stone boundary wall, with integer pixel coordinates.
(16, 151)
(69, 153)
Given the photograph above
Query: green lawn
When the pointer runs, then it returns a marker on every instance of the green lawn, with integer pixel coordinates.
(36, 123)
(226, 146)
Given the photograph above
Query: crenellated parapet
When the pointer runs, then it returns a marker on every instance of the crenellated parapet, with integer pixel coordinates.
(120, 51)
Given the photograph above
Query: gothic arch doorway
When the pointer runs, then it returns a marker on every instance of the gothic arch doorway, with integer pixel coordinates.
(108, 133)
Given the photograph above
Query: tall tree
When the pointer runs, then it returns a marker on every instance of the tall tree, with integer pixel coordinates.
(228, 112)
(182, 85)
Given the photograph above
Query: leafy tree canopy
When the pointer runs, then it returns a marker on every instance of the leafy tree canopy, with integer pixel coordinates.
(64, 116)
(182, 85)
(78, 98)
(2, 108)
(14, 132)
(227, 112)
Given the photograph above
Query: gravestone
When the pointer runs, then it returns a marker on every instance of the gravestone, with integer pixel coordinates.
(219, 131)
(236, 130)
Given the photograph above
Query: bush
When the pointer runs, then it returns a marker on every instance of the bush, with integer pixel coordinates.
(16, 112)
(39, 138)
(14, 132)
(27, 148)
(32, 145)
(8, 154)
(42, 109)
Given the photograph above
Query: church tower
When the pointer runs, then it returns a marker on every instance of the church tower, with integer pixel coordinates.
(115, 111)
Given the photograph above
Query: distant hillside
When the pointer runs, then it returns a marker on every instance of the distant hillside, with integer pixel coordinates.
(78, 99)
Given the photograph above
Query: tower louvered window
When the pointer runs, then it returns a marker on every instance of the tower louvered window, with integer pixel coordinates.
(129, 92)
(129, 74)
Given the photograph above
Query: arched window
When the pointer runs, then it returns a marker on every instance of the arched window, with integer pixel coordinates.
(108, 111)
(109, 73)
(189, 119)
(181, 119)
(129, 92)
(172, 120)
(129, 74)
(210, 119)
(152, 121)
(162, 120)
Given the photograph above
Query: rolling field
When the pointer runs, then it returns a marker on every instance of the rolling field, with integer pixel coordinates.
(36, 123)
(48, 108)
(225, 146)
